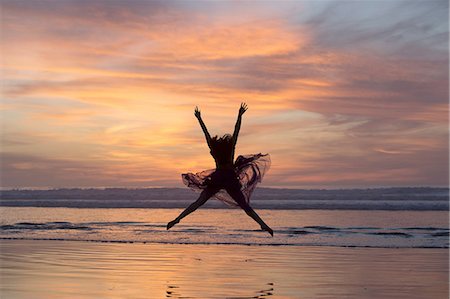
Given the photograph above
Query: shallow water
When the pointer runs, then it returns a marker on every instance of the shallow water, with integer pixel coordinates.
(405, 229)
(63, 269)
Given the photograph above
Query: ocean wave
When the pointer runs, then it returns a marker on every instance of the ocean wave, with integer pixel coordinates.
(44, 226)
(311, 235)
(412, 199)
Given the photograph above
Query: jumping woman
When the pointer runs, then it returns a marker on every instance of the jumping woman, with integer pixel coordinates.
(238, 178)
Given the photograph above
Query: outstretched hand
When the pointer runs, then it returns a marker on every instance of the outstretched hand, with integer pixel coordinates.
(243, 108)
(197, 113)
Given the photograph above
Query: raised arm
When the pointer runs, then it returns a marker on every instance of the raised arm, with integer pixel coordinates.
(202, 124)
(237, 127)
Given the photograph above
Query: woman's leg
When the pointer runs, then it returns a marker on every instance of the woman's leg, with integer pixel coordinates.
(236, 194)
(204, 196)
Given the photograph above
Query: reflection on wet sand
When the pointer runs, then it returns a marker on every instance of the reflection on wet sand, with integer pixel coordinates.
(86, 270)
(174, 291)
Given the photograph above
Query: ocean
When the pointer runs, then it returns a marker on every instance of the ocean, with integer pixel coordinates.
(389, 217)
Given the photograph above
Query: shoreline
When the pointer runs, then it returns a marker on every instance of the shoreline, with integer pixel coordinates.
(215, 243)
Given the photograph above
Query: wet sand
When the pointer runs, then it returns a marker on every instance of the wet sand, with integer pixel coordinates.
(74, 269)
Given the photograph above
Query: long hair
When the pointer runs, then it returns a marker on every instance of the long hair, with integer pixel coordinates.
(221, 146)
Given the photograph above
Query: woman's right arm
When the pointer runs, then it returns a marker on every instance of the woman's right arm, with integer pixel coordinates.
(202, 124)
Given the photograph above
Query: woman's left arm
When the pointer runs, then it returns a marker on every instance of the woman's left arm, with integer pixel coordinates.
(237, 127)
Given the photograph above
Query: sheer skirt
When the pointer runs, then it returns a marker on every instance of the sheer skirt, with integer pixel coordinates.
(248, 171)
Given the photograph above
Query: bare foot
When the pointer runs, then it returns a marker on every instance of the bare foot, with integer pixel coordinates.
(267, 229)
(172, 223)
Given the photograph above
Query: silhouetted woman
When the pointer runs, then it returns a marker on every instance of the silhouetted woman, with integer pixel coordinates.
(238, 179)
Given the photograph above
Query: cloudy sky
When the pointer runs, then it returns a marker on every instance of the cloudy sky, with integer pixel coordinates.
(340, 93)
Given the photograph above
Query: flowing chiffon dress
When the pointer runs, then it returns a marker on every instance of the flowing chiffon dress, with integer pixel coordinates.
(248, 170)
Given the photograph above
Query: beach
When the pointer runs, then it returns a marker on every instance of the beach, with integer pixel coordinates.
(79, 269)
(221, 253)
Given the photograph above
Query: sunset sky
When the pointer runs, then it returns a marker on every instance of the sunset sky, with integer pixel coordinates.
(340, 93)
